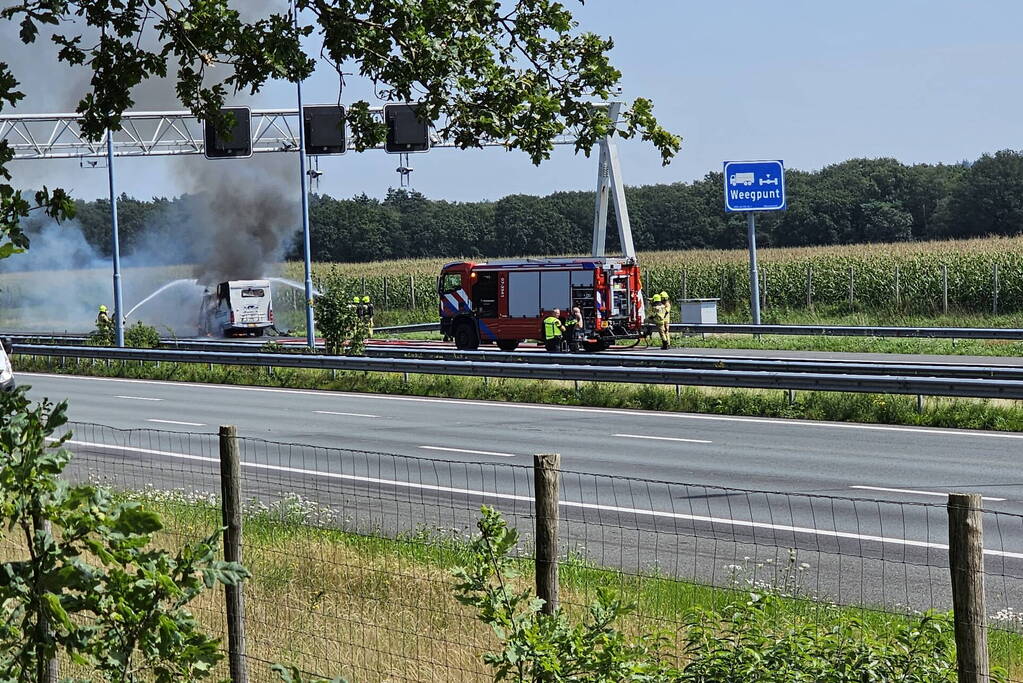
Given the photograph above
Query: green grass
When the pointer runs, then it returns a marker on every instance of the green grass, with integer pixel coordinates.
(315, 586)
(864, 408)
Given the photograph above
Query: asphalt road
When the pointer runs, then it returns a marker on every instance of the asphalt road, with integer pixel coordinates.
(873, 528)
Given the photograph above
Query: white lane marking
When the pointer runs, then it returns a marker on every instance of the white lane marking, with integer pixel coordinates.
(661, 438)
(331, 412)
(139, 398)
(500, 405)
(915, 492)
(466, 450)
(566, 503)
(176, 422)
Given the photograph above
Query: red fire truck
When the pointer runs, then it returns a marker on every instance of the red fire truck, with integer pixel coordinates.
(506, 301)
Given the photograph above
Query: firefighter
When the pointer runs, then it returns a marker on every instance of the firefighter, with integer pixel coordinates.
(650, 325)
(660, 317)
(357, 305)
(666, 300)
(367, 312)
(552, 331)
(103, 321)
(573, 328)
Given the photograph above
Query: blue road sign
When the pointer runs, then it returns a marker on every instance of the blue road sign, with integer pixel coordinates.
(754, 186)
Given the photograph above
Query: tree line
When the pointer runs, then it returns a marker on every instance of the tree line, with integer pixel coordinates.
(856, 201)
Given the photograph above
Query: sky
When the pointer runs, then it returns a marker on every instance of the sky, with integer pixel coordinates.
(809, 82)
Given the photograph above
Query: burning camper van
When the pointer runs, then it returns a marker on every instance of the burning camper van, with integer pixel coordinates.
(236, 307)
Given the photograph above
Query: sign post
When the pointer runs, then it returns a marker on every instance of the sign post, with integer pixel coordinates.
(752, 186)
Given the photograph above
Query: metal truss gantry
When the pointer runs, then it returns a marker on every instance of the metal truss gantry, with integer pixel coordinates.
(174, 133)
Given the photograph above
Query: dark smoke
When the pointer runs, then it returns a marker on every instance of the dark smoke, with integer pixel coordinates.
(247, 216)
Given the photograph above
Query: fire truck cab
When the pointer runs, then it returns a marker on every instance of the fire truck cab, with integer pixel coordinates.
(506, 301)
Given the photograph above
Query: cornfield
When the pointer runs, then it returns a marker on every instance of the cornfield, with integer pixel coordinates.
(966, 276)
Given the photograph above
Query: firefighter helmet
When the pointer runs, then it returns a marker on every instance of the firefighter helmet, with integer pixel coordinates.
(656, 298)
(356, 299)
(664, 295)
(365, 299)
(102, 308)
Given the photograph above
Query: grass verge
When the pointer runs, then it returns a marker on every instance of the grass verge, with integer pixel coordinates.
(380, 609)
(864, 408)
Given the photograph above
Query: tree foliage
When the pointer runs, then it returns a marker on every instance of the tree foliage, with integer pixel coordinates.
(523, 73)
(860, 200)
(86, 581)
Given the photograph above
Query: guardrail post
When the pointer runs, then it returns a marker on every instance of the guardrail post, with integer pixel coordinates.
(966, 566)
(231, 507)
(546, 467)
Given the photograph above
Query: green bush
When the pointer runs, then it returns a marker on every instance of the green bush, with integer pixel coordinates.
(87, 582)
(141, 336)
(758, 638)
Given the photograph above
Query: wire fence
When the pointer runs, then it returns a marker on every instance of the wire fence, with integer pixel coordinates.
(351, 551)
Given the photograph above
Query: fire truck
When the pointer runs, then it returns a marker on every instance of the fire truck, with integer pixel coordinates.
(505, 302)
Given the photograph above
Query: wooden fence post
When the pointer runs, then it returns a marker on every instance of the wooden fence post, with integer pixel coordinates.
(546, 468)
(852, 274)
(944, 289)
(47, 671)
(966, 565)
(412, 290)
(685, 283)
(385, 292)
(231, 506)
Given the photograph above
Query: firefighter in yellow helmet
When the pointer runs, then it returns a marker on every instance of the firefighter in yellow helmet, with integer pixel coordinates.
(666, 300)
(103, 320)
(659, 318)
(367, 315)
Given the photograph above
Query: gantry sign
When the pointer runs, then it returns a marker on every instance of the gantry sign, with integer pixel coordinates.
(172, 133)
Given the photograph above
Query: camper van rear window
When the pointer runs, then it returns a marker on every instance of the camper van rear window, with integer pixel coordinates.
(253, 292)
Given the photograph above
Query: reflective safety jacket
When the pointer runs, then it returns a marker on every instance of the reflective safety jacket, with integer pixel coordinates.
(551, 327)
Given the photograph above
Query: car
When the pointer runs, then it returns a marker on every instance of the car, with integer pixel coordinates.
(6, 370)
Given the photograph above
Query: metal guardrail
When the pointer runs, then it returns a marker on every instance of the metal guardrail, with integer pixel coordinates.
(751, 379)
(1011, 333)
(857, 331)
(638, 360)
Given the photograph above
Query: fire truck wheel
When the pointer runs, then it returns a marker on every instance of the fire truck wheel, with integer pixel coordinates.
(507, 344)
(466, 338)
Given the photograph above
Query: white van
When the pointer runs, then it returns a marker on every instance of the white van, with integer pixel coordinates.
(237, 307)
(6, 370)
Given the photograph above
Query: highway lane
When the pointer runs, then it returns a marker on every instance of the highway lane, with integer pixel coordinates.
(750, 453)
(861, 551)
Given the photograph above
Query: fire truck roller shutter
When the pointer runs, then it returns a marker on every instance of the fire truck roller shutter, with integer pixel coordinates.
(523, 294)
(555, 291)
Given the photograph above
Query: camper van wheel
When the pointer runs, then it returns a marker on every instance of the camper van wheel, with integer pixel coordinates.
(258, 333)
(507, 344)
(466, 338)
